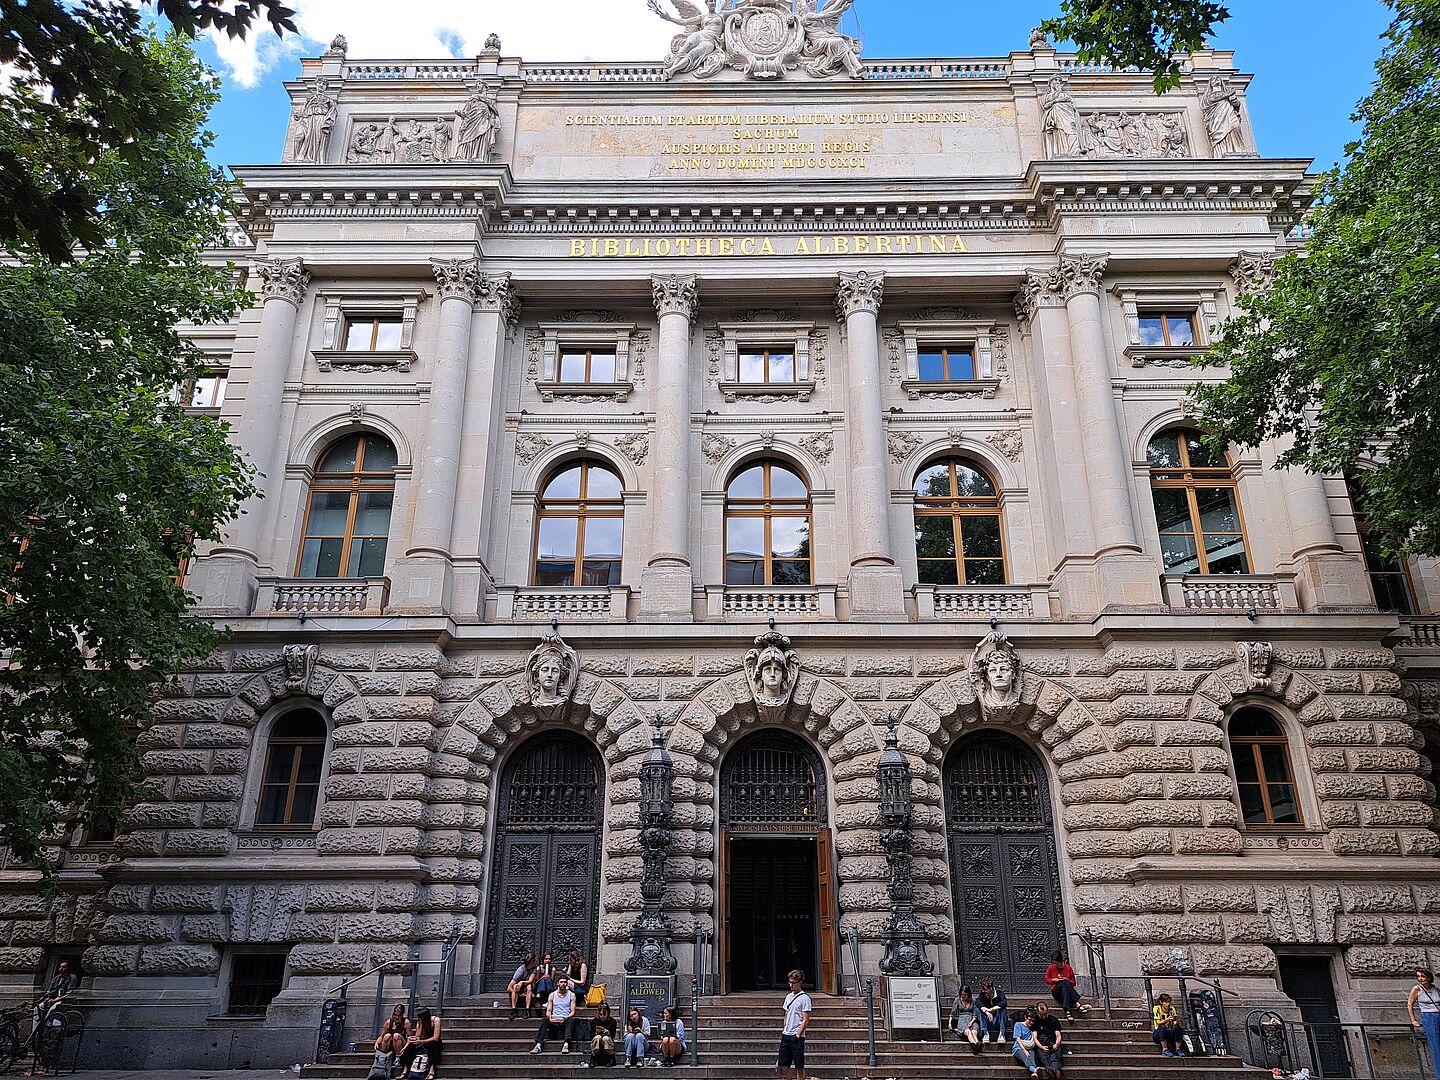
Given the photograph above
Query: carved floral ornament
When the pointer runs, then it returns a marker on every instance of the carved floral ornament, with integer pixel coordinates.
(859, 291)
(1074, 275)
(1253, 271)
(764, 39)
(299, 661)
(283, 279)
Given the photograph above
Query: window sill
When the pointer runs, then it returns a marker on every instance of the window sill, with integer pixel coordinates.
(1282, 838)
(950, 391)
(559, 391)
(1167, 356)
(363, 362)
(768, 392)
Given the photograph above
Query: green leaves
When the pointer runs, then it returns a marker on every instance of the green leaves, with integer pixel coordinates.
(1146, 34)
(105, 483)
(1342, 355)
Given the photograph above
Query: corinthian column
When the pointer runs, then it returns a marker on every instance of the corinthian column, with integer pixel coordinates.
(876, 586)
(667, 583)
(418, 583)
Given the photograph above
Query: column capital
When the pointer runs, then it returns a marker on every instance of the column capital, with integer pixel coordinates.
(1040, 289)
(496, 292)
(675, 294)
(1082, 273)
(859, 290)
(282, 279)
(456, 279)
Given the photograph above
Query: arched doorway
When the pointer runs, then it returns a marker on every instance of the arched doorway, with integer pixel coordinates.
(777, 894)
(1004, 873)
(545, 870)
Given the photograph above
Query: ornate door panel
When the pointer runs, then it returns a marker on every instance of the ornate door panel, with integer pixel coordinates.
(545, 876)
(1004, 872)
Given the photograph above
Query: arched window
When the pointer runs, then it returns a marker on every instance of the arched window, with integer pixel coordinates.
(347, 521)
(1262, 770)
(767, 527)
(580, 526)
(1389, 577)
(294, 758)
(957, 526)
(1196, 506)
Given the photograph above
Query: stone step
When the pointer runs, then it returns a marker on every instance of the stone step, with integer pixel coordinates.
(546, 1066)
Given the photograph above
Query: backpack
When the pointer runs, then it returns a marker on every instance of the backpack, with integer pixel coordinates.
(382, 1066)
(419, 1067)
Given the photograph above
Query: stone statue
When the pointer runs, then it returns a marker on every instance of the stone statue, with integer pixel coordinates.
(1039, 39)
(700, 50)
(996, 676)
(1062, 120)
(339, 46)
(827, 51)
(492, 42)
(477, 128)
(551, 671)
(1222, 117)
(772, 668)
(312, 126)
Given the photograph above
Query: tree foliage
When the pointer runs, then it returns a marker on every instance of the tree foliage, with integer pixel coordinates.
(1342, 354)
(83, 86)
(1147, 34)
(105, 482)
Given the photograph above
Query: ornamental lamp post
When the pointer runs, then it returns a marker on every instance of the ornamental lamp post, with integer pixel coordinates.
(904, 936)
(650, 940)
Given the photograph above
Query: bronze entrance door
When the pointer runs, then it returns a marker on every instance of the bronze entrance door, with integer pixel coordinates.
(777, 897)
(545, 870)
(1004, 873)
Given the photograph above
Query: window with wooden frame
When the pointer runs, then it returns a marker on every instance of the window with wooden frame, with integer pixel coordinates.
(204, 392)
(958, 534)
(290, 782)
(767, 527)
(1261, 755)
(580, 527)
(347, 518)
(1389, 577)
(946, 363)
(373, 333)
(586, 364)
(256, 979)
(1170, 328)
(765, 364)
(1197, 506)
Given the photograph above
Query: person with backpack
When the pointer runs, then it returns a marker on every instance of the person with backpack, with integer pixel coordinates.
(560, 1012)
(422, 1053)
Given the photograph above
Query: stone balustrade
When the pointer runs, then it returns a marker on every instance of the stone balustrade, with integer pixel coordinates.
(321, 596)
(746, 603)
(980, 602)
(607, 603)
(1231, 592)
(1424, 634)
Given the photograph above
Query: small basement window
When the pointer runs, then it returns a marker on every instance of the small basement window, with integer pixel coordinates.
(255, 980)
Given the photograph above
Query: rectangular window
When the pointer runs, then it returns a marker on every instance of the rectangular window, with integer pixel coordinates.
(581, 364)
(255, 979)
(947, 363)
(372, 333)
(205, 391)
(1167, 328)
(767, 364)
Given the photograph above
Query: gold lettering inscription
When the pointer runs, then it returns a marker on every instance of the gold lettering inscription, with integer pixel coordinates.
(751, 246)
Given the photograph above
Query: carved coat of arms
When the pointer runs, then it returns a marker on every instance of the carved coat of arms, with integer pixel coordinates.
(762, 38)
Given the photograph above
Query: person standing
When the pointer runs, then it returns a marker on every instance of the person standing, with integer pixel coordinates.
(1048, 1038)
(559, 1012)
(798, 1007)
(1424, 994)
(1060, 978)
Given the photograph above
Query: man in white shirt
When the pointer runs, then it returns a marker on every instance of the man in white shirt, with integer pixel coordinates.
(792, 1037)
(559, 1012)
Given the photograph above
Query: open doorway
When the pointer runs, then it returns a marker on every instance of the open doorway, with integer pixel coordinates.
(774, 910)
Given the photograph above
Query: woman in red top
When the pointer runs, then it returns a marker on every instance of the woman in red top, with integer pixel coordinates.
(1060, 977)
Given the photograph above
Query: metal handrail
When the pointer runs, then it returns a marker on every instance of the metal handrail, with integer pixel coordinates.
(1279, 1046)
(699, 977)
(442, 984)
(852, 935)
(1184, 981)
(1099, 976)
(870, 1018)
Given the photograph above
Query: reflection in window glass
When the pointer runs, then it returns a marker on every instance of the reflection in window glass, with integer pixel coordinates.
(946, 363)
(958, 535)
(1263, 776)
(767, 527)
(1167, 328)
(580, 527)
(372, 333)
(347, 520)
(1197, 509)
(586, 365)
(290, 779)
(767, 365)
(1389, 576)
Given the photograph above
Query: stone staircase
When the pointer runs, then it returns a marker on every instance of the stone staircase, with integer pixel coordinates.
(739, 1034)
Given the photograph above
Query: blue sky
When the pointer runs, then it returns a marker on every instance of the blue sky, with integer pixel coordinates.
(1313, 60)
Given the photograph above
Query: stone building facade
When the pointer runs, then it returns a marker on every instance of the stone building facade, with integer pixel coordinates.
(792, 318)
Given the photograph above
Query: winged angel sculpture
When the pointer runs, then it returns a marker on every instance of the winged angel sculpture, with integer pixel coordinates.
(762, 38)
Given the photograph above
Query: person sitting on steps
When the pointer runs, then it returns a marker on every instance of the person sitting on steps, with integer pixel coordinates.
(1060, 977)
(994, 1015)
(964, 1021)
(602, 1045)
(1048, 1038)
(1169, 1032)
(424, 1041)
(545, 983)
(559, 1012)
(672, 1047)
(522, 984)
(637, 1037)
(1023, 1049)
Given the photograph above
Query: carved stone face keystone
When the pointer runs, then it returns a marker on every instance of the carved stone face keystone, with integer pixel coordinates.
(551, 672)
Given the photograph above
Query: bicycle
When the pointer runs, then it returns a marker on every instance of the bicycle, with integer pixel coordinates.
(12, 1047)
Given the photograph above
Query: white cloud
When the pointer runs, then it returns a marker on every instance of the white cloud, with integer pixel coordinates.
(539, 30)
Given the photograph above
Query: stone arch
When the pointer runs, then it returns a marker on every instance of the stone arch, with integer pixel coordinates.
(1006, 473)
(570, 450)
(787, 453)
(308, 448)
